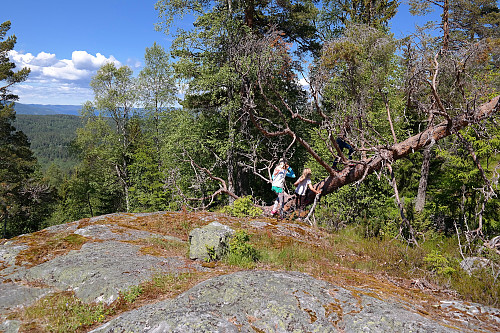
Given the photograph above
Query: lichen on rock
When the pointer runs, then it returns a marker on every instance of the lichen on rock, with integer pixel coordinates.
(269, 301)
(209, 242)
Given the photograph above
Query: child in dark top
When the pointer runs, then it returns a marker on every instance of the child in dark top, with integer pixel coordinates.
(303, 183)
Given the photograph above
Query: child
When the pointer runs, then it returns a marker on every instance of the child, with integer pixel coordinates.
(281, 171)
(303, 183)
(342, 144)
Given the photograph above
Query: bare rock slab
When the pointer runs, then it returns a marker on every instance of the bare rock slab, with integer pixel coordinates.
(267, 301)
(100, 270)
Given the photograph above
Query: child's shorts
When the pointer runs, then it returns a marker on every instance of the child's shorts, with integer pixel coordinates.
(277, 189)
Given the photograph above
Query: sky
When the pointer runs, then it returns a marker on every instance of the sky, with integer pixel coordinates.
(64, 42)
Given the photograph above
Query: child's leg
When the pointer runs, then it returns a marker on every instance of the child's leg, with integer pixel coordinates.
(275, 206)
(281, 200)
(298, 204)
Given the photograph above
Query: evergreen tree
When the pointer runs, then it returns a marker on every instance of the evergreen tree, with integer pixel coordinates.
(22, 199)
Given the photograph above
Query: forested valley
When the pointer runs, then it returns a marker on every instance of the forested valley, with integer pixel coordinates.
(203, 125)
(50, 138)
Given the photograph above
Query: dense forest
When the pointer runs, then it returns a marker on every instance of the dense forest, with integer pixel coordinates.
(262, 81)
(50, 138)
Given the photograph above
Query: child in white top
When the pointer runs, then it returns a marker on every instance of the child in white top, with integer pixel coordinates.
(303, 183)
(281, 171)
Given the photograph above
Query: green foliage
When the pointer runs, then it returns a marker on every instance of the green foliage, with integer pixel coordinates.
(243, 207)
(241, 252)
(132, 293)
(368, 204)
(24, 199)
(438, 263)
(336, 15)
(50, 137)
(212, 255)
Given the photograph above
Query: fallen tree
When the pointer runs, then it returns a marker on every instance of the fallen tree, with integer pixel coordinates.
(385, 155)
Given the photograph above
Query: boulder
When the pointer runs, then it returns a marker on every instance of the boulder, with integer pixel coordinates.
(471, 264)
(209, 242)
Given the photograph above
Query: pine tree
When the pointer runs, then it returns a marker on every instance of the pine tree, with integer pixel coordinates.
(18, 192)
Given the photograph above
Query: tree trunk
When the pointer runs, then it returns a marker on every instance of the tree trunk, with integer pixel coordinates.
(422, 185)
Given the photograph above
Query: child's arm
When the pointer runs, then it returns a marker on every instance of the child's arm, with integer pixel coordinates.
(313, 189)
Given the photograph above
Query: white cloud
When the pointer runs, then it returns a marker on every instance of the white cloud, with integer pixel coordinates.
(134, 63)
(303, 82)
(84, 61)
(44, 59)
(58, 81)
(52, 92)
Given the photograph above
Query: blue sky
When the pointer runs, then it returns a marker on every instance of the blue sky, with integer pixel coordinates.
(64, 42)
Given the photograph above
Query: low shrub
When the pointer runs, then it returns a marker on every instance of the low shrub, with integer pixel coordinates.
(63, 312)
(243, 207)
(241, 252)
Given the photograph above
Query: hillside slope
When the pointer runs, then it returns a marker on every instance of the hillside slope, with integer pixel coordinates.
(136, 267)
(50, 137)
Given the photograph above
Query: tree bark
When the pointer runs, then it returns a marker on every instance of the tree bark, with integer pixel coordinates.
(422, 185)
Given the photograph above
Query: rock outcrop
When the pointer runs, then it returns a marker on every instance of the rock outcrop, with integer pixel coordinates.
(97, 259)
(209, 242)
(265, 301)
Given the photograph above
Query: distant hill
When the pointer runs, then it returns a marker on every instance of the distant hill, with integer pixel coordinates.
(41, 109)
(50, 136)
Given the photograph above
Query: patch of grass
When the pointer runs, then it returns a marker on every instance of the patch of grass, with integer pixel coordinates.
(170, 284)
(286, 253)
(62, 312)
(481, 286)
(161, 247)
(436, 259)
(44, 246)
(132, 293)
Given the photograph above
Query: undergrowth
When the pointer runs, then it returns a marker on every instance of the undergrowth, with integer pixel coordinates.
(436, 260)
(243, 207)
(63, 312)
(241, 252)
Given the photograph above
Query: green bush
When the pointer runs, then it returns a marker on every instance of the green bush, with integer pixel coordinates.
(243, 207)
(241, 252)
(438, 263)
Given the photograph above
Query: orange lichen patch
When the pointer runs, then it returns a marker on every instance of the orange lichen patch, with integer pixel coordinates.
(332, 308)
(210, 264)
(177, 224)
(312, 315)
(84, 223)
(44, 246)
(258, 330)
(234, 321)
